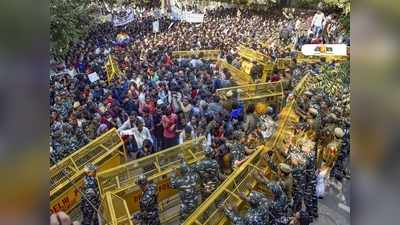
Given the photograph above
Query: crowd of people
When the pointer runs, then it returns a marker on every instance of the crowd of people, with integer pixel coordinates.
(160, 101)
(153, 81)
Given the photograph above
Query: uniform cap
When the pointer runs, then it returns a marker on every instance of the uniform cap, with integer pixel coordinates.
(76, 104)
(308, 93)
(313, 111)
(332, 116)
(142, 179)
(339, 132)
(285, 168)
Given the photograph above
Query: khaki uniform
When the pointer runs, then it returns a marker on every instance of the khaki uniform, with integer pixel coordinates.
(331, 152)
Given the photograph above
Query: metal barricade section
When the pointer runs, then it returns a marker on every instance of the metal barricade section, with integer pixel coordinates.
(269, 93)
(120, 181)
(251, 54)
(157, 164)
(118, 210)
(238, 76)
(66, 176)
(241, 180)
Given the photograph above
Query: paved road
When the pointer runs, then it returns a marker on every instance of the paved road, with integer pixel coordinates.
(333, 209)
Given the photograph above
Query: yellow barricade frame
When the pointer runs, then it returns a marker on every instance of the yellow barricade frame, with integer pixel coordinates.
(154, 165)
(271, 92)
(104, 152)
(112, 69)
(241, 180)
(262, 59)
(238, 76)
(120, 181)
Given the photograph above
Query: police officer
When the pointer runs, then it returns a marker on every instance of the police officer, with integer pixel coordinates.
(285, 178)
(310, 194)
(340, 148)
(91, 202)
(148, 202)
(279, 206)
(258, 213)
(209, 172)
(188, 185)
(298, 166)
(331, 151)
(237, 148)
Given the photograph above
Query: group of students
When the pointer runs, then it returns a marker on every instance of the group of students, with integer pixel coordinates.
(81, 110)
(160, 102)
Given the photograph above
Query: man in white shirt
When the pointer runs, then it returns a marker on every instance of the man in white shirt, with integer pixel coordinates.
(317, 22)
(140, 132)
(130, 122)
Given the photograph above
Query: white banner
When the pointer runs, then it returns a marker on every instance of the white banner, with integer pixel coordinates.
(324, 50)
(195, 18)
(156, 27)
(93, 77)
(121, 20)
(177, 14)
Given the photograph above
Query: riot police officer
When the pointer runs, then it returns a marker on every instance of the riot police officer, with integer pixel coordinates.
(209, 172)
(285, 178)
(310, 193)
(148, 202)
(90, 202)
(237, 149)
(188, 185)
(279, 206)
(258, 213)
(298, 166)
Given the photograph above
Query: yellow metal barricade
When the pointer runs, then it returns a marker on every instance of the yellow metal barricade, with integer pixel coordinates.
(206, 54)
(268, 93)
(283, 63)
(112, 69)
(242, 180)
(249, 55)
(238, 76)
(117, 211)
(158, 167)
(105, 152)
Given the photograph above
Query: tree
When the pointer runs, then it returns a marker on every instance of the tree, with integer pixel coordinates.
(344, 5)
(69, 21)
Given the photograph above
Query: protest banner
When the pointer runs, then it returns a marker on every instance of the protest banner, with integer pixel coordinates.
(93, 77)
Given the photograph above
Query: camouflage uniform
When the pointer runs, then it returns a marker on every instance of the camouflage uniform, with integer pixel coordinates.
(338, 170)
(279, 207)
(82, 138)
(188, 186)
(258, 213)
(237, 150)
(310, 194)
(285, 182)
(298, 186)
(61, 109)
(92, 194)
(148, 205)
(209, 172)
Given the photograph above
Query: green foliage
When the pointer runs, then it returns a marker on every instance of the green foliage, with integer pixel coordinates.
(69, 22)
(344, 5)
